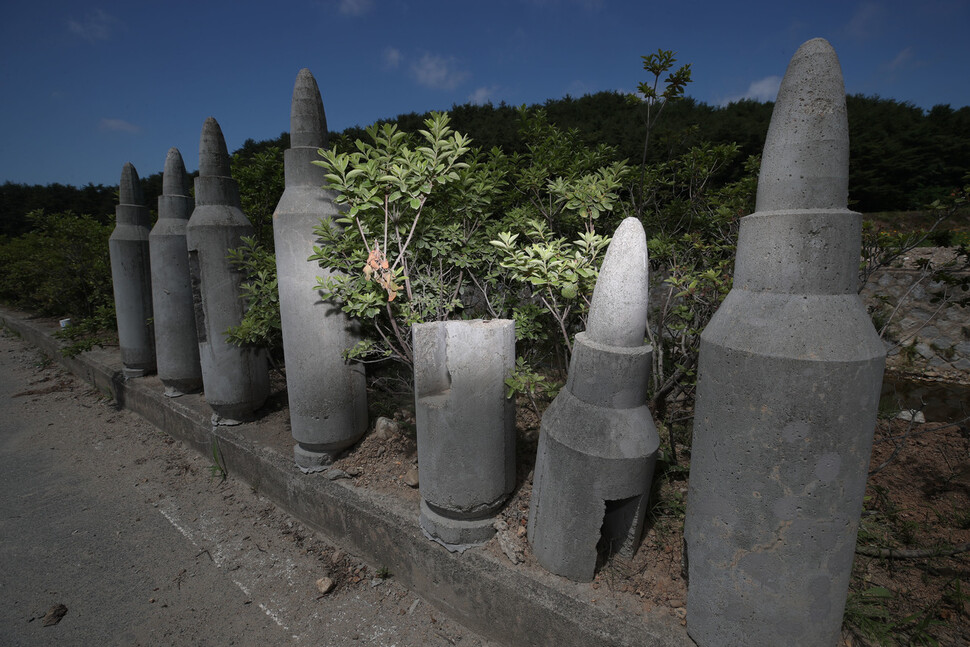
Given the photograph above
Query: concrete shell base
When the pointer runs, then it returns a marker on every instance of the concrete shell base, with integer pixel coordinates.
(456, 535)
(310, 461)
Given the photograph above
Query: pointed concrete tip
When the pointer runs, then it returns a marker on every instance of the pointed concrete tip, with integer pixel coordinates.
(618, 312)
(805, 164)
(308, 122)
(213, 155)
(129, 191)
(174, 181)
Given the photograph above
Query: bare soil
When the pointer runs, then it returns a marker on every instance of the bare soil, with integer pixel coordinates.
(246, 572)
(918, 499)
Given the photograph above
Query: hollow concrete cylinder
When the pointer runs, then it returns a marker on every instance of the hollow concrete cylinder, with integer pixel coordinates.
(235, 379)
(131, 276)
(789, 376)
(466, 426)
(327, 395)
(176, 339)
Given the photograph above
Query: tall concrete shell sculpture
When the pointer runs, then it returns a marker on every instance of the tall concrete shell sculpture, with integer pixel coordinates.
(176, 340)
(327, 395)
(235, 379)
(789, 377)
(131, 276)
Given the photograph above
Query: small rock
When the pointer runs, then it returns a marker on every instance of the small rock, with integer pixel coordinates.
(681, 613)
(324, 585)
(333, 474)
(376, 582)
(385, 428)
(54, 615)
(676, 603)
(354, 471)
(509, 548)
(500, 525)
(521, 531)
(915, 415)
(411, 478)
(337, 556)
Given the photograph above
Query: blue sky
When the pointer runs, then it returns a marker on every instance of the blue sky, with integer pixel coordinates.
(88, 86)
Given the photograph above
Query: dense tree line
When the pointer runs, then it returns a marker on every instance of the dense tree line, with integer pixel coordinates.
(17, 200)
(902, 157)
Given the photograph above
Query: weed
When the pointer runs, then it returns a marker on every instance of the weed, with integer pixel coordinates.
(909, 351)
(908, 530)
(42, 361)
(7, 330)
(917, 626)
(384, 573)
(217, 469)
(867, 614)
(954, 596)
(946, 352)
(88, 332)
(530, 383)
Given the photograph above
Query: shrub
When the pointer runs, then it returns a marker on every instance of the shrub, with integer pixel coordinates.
(61, 267)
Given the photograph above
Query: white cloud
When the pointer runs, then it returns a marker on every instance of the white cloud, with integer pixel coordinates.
(866, 22)
(438, 72)
(904, 59)
(392, 57)
(578, 88)
(765, 89)
(483, 95)
(96, 25)
(355, 7)
(118, 125)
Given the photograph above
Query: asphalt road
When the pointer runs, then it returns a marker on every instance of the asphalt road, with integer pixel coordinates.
(144, 543)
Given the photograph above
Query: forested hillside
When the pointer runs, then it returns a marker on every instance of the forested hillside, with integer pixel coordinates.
(902, 157)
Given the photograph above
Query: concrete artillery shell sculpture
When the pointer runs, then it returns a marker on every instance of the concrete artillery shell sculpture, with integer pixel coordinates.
(789, 377)
(466, 426)
(176, 340)
(598, 443)
(327, 395)
(235, 380)
(131, 276)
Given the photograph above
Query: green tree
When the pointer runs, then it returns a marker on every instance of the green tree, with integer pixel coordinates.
(401, 254)
(61, 267)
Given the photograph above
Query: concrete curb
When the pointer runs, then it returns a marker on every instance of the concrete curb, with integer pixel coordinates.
(489, 596)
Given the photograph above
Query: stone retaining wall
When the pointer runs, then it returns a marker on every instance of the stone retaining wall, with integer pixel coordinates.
(923, 336)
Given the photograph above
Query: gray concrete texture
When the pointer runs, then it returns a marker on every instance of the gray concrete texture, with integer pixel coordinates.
(131, 276)
(513, 605)
(788, 387)
(327, 395)
(235, 379)
(465, 425)
(598, 443)
(176, 338)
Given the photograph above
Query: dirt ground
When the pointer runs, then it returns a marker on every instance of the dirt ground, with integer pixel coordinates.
(246, 573)
(918, 499)
(917, 503)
